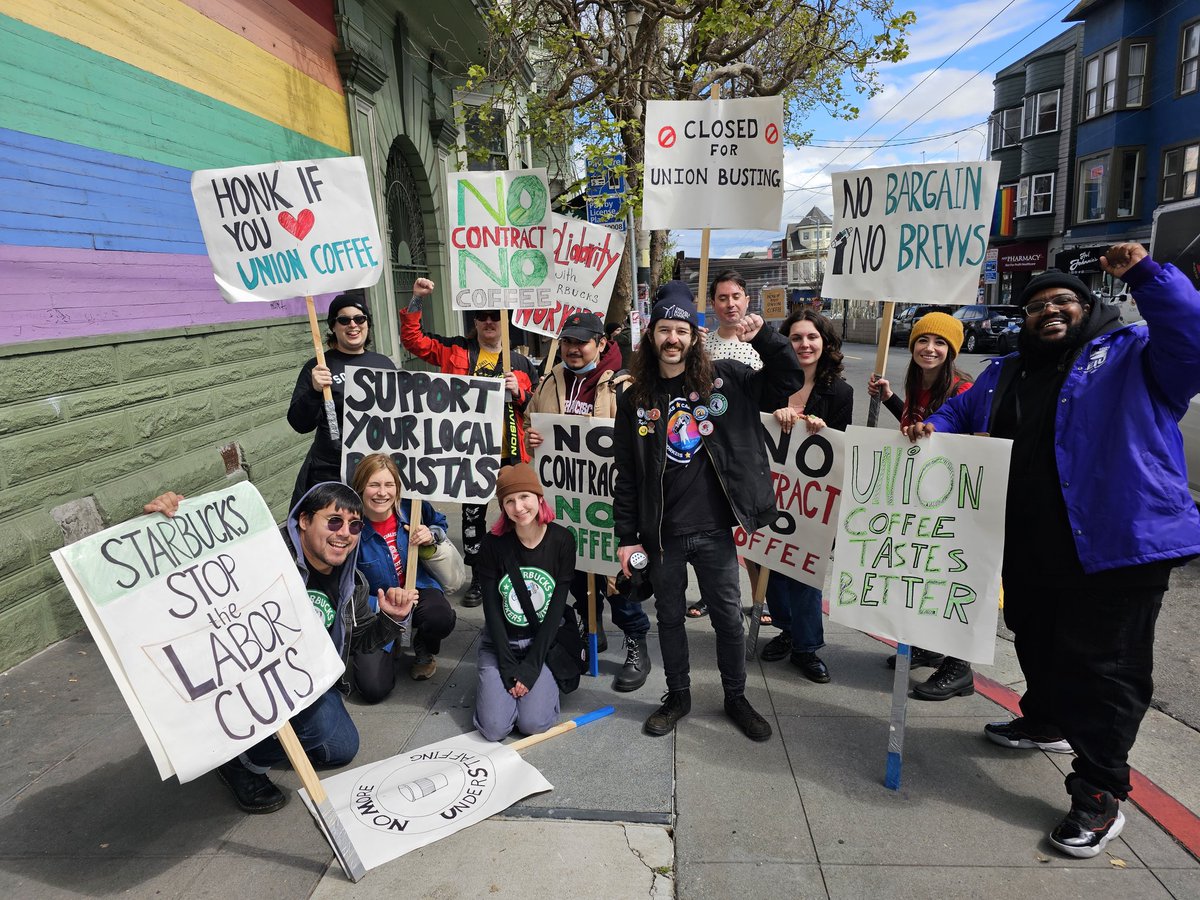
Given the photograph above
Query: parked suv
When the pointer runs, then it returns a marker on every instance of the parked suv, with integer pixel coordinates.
(985, 327)
(902, 322)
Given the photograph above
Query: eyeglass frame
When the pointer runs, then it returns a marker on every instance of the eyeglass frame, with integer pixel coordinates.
(357, 320)
(1037, 307)
(335, 522)
(486, 315)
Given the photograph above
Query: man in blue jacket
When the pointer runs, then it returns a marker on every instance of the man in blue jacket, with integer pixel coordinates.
(1098, 514)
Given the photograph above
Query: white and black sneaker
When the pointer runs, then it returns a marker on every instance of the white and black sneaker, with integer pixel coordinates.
(1094, 820)
(1021, 734)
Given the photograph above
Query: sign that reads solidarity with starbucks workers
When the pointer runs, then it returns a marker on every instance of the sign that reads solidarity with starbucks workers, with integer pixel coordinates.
(806, 472)
(575, 465)
(289, 229)
(586, 262)
(714, 164)
(911, 233)
(500, 240)
(441, 431)
(920, 540)
(205, 624)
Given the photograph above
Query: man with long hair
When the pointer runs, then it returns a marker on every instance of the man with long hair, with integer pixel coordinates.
(691, 464)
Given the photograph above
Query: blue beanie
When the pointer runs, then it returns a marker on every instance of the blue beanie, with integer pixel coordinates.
(674, 301)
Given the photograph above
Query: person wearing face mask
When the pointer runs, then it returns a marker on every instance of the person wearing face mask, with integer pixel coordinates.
(347, 344)
(476, 354)
(1098, 513)
(585, 384)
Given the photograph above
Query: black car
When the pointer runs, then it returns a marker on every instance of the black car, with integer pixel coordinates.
(904, 319)
(985, 327)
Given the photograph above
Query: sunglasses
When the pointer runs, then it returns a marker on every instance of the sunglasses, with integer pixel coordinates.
(335, 523)
(493, 316)
(357, 320)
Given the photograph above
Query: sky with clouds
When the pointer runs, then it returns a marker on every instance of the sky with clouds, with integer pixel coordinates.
(955, 49)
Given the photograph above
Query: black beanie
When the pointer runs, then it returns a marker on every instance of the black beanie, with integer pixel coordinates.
(674, 300)
(341, 301)
(1053, 278)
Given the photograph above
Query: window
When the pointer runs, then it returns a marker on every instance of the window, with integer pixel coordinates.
(1006, 128)
(1131, 165)
(1041, 113)
(1179, 175)
(1035, 195)
(1135, 74)
(487, 139)
(1109, 82)
(1189, 61)
(1091, 88)
(1091, 188)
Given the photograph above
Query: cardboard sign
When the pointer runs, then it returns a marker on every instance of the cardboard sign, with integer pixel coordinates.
(289, 229)
(575, 465)
(500, 250)
(400, 804)
(910, 233)
(714, 164)
(442, 431)
(205, 624)
(774, 303)
(921, 538)
(586, 263)
(806, 472)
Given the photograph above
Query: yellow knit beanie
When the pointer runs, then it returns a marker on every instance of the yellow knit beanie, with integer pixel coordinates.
(942, 326)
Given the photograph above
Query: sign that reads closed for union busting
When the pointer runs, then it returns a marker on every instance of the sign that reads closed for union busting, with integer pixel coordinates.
(714, 164)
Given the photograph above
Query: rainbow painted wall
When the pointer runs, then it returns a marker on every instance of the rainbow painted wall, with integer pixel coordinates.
(106, 108)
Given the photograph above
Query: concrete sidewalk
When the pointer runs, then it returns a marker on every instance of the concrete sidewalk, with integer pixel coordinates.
(704, 813)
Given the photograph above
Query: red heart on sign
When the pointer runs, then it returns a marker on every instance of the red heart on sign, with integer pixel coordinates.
(299, 225)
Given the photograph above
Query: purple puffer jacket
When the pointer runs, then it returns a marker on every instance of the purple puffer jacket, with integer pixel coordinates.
(1118, 447)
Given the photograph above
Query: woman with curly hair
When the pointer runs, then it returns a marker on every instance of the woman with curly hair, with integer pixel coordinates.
(826, 400)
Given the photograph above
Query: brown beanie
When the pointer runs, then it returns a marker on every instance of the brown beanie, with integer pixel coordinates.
(942, 326)
(513, 479)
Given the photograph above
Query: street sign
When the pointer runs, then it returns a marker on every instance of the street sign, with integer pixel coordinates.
(606, 192)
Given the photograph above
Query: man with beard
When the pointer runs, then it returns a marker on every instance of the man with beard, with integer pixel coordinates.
(691, 463)
(1098, 514)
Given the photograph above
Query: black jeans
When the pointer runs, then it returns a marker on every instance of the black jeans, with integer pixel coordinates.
(1088, 663)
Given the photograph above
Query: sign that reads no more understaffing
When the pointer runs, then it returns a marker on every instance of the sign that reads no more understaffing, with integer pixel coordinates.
(714, 164)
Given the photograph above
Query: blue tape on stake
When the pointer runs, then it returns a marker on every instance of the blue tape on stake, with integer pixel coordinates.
(593, 654)
(899, 713)
(593, 716)
(892, 778)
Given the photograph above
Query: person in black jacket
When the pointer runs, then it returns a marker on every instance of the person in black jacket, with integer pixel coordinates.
(692, 462)
(824, 401)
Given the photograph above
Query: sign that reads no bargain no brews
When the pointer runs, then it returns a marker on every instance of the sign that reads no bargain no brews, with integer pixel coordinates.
(714, 164)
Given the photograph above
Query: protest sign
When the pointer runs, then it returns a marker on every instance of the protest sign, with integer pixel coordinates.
(442, 431)
(920, 540)
(606, 192)
(586, 261)
(774, 302)
(806, 472)
(289, 229)
(911, 233)
(714, 164)
(205, 624)
(500, 253)
(575, 465)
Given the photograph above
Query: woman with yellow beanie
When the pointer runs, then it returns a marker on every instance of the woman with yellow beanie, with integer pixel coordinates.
(932, 379)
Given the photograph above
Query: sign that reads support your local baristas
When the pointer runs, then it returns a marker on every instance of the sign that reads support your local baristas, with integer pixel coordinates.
(714, 164)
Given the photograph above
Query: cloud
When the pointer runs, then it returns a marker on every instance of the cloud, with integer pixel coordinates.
(941, 28)
(949, 95)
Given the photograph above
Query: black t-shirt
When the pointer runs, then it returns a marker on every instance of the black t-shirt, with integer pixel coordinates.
(693, 498)
(323, 591)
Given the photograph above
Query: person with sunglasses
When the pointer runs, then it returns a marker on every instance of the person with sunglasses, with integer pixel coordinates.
(1098, 513)
(476, 354)
(322, 531)
(346, 345)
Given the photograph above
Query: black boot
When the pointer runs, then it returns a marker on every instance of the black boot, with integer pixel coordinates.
(637, 666)
(601, 637)
(675, 705)
(744, 716)
(920, 657)
(253, 793)
(1094, 820)
(474, 594)
(953, 678)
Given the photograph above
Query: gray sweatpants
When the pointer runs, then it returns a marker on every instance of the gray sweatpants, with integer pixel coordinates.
(497, 711)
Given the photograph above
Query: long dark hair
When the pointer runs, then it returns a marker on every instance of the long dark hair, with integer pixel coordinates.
(943, 386)
(697, 370)
(829, 366)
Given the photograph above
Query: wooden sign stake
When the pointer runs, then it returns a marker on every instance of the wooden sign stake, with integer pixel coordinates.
(759, 583)
(881, 357)
(702, 279)
(331, 418)
(593, 632)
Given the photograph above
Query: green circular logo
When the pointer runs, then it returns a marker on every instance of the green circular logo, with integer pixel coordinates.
(324, 607)
(540, 586)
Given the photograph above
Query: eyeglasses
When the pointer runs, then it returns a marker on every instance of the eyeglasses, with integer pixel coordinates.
(346, 320)
(1058, 301)
(488, 316)
(335, 523)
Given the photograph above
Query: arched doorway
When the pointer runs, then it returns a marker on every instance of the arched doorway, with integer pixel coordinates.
(406, 223)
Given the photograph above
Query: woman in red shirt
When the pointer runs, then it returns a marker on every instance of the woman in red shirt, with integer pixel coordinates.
(932, 379)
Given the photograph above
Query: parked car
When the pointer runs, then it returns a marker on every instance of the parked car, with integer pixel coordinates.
(983, 326)
(1190, 427)
(903, 320)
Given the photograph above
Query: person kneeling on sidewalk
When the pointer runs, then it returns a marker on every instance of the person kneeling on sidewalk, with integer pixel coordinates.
(322, 530)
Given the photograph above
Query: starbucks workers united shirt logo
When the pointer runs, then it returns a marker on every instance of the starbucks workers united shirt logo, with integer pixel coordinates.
(321, 603)
(540, 586)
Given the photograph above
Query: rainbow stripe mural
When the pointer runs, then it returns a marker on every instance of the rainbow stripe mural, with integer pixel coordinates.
(106, 108)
